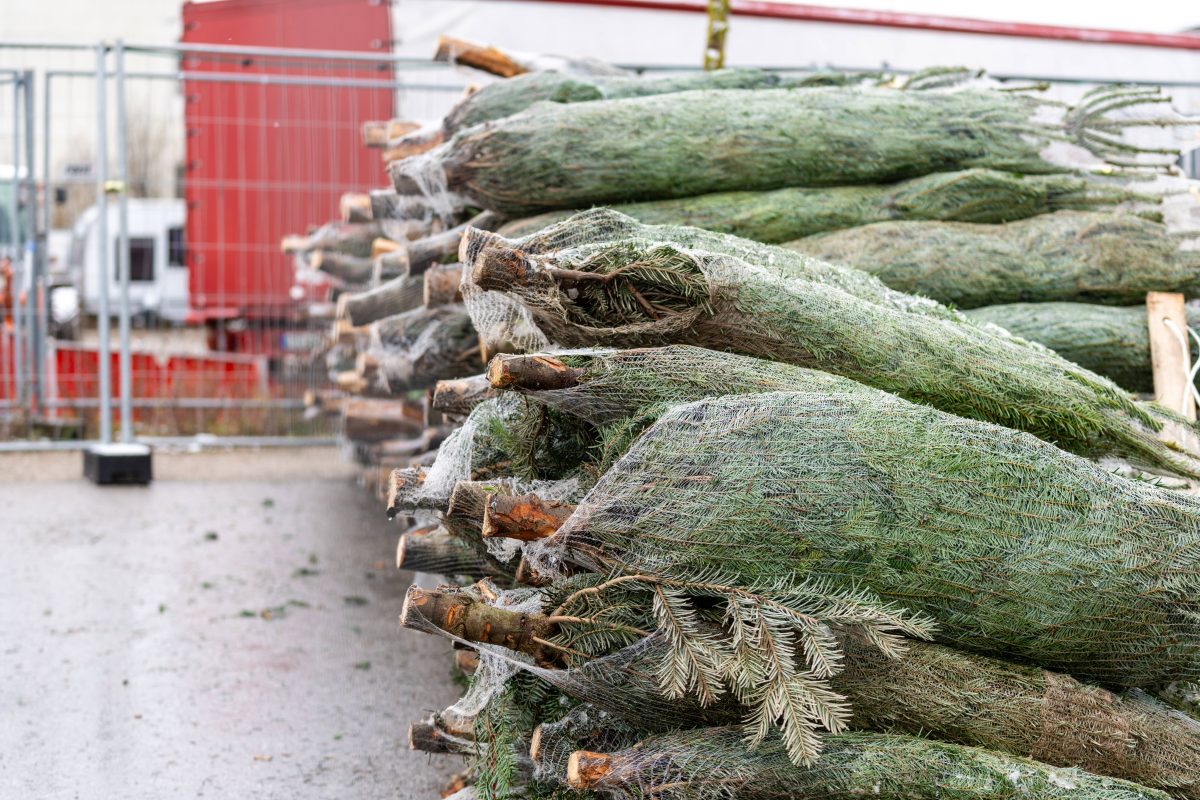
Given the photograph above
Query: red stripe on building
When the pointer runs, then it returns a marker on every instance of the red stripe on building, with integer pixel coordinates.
(925, 22)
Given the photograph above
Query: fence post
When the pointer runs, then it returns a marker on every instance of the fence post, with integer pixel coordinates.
(124, 355)
(17, 284)
(37, 256)
(105, 367)
(43, 311)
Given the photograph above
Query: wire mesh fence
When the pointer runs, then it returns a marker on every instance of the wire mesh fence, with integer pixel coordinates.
(145, 292)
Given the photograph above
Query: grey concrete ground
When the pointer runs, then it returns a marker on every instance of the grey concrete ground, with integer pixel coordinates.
(228, 632)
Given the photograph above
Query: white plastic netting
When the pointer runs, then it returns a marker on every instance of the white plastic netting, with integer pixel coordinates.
(415, 349)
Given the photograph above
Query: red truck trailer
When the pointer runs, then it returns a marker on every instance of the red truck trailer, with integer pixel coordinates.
(272, 143)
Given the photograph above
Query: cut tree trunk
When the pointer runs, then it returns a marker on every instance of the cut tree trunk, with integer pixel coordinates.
(526, 517)
(424, 253)
(526, 574)
(481, 57)
(390, 265)
(350, 382)
(355, 207)
(414, 143)
(442, 285)
(439, 553)
(395, 296)
(467, 661)
(374, 133)
(327, 402)
(418, 347)
(404, 493)
(457, 397)
(428, 737)
(348, 238)
(371, 420)
(482, 623)
(385, 206)
(383, 245)
(343, 333)
(467, 507)
(531, 373)
(507, 63)
(378, 134)
(352, 270)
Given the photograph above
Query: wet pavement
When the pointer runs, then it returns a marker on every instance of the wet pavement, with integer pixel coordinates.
(228, 632)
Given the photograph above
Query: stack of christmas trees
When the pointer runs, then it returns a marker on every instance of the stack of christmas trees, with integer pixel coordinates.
(721, 519)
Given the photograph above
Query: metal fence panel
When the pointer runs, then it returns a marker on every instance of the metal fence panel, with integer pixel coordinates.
(165, 189)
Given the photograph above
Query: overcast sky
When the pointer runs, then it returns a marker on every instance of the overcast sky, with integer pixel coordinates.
(1159, 16)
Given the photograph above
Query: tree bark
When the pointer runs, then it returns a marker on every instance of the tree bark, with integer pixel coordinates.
(343, 333)
(366, 366)
(383, 245)
(499, 267)
(325, 401)
(377, 133)
(351, 382)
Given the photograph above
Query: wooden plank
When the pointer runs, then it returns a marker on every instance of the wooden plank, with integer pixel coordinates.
(1169, 357)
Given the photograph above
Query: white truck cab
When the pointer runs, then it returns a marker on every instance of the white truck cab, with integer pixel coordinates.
(158, 279)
